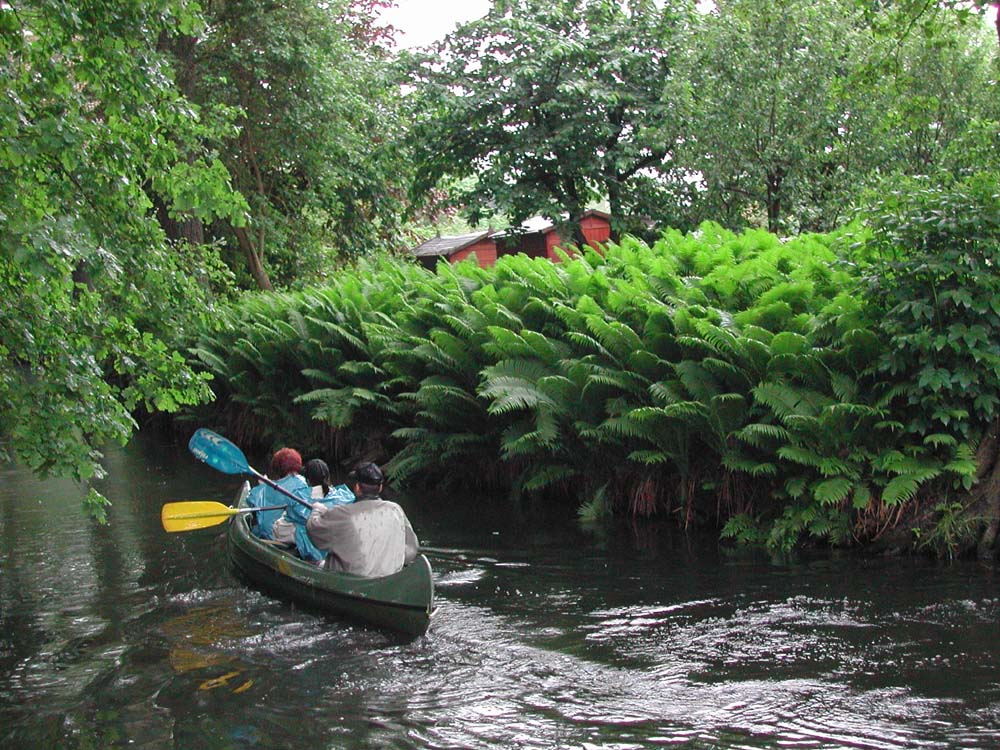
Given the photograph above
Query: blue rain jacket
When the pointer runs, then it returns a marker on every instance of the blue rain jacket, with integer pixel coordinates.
(261, 496)
(339, 495)
(297, 514)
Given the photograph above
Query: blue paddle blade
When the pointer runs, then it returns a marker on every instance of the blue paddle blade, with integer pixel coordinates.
(218, 453)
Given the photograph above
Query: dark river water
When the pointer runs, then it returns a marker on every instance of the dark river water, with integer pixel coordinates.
(549, 635)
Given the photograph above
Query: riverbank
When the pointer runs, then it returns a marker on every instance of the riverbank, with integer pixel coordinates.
(821, 388)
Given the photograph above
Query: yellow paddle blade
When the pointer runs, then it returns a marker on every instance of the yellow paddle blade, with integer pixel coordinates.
(194, 514)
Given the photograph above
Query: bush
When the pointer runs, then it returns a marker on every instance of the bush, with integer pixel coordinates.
(711, 376)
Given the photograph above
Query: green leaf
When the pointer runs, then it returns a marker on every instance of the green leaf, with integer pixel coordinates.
(832, 491)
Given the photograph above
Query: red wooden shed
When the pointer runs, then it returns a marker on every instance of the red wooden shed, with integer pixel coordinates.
(539, 238)
(481, 245)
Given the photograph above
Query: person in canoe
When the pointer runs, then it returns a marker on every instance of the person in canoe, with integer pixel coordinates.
(286, 464)
(290, 528)
(317, 476)
(371, 537)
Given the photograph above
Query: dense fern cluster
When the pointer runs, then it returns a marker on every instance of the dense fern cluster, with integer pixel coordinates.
(721, 378)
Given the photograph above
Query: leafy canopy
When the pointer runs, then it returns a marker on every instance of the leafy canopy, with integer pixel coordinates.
(554, 105)
(90, 127)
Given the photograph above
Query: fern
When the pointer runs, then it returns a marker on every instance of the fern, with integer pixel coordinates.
(832, 491)
(511, 385)
(761, 435)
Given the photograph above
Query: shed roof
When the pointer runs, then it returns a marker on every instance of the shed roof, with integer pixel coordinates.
(448, 245)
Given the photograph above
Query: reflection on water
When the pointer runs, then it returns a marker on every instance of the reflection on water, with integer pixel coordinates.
(548, 635)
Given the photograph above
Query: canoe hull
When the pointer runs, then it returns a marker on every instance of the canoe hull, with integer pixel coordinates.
(402, 602)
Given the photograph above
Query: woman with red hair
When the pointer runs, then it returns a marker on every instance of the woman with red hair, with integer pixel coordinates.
(285, 467)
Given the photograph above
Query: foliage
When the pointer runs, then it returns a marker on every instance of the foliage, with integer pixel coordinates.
(799, 107)
(565, 103)
(944, 88)
(91, 128)
(954, 529)
(316, 150)
(711, 376)
(778, 118)
(936, 248)
(747, 114)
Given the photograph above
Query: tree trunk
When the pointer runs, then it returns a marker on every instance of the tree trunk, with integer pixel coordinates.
(614, 205)
(996, 18)
(254, 260)
(188, 228)
(774, 180)
(989, 478)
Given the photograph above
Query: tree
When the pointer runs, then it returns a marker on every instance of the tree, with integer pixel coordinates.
(89, 122)
(899, 19)
(316, 150)
(800, 106)
(553, 106)
(780, 120)
(940, 101)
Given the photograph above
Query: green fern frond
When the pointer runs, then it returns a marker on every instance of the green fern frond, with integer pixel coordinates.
(721, 336)
(796, 486)
(832, 491)
(546, 349)
(788, 343)
(787, 400)
(749, 466)
(727, 371)
(625, 427)
(321, 376)
(800, 455)
(964, 464)
(698, 346)
(801, 424)
(697, 380)
(213, 361)
(546, 476)
(361, 369)
(339, 332)
(588, 343)
(505, 343)
(512, 385)
(940, 439)
(667, 392)
(901, 489)
(650, 458)
(856, 411)
(862, 496)
(830, 466)
(762, 435)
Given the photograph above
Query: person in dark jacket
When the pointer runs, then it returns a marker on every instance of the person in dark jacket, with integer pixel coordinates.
(371, 537)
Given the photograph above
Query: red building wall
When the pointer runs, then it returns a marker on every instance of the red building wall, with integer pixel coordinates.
(552, 241)
(485, 251)
(596, 229)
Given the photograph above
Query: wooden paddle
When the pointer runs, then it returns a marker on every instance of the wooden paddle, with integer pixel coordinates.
(200, 514)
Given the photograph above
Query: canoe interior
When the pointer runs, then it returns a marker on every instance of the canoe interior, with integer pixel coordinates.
(402, 602)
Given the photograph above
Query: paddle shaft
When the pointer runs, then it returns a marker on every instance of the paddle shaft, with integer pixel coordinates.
(275, 486)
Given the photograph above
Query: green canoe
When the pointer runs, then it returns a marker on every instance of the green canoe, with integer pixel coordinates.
(403, 602)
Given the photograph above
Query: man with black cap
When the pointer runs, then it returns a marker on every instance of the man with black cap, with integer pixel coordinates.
(371, 537)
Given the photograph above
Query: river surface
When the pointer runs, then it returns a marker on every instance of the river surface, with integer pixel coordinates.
(549, 635)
